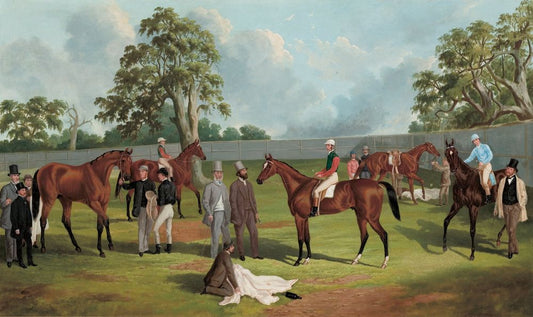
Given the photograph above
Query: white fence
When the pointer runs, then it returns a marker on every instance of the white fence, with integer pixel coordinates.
(505, 141)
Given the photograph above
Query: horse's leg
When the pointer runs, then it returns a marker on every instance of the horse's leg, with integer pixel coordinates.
(473, 219)
(128, 201)
(361, 222)
(498, 241)
(197, 193)
(411, 189)
(108, 233)
(178, 198)
(384, 238)
(307, 240)
(453, 211)
(67, 211)
(44, 216)
(100, 223)
(300, 223)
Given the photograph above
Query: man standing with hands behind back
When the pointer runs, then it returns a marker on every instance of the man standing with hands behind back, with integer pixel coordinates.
(7, 196)
(244, 211)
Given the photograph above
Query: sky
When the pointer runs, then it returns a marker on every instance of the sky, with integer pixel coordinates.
(295, 68)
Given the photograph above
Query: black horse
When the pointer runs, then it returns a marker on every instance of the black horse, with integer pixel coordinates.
(467, 191)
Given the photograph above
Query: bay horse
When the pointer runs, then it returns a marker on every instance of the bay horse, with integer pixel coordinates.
(467, 191)
(182, 169)
(364, 196)
(87, 183)
(378, 164)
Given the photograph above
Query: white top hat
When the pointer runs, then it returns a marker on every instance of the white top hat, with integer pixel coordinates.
(161, 139)
(217, 166)
(330, 141)
(239, 166)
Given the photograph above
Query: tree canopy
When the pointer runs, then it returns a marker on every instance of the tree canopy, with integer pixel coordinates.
(485, 76)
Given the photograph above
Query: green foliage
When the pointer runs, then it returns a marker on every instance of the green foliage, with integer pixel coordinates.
(486, 75)
(208, 131)
(29, 121)
(231, 134)
(251, 132)
(174, 65)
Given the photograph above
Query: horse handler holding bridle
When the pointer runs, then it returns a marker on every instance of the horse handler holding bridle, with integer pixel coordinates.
(330, 173)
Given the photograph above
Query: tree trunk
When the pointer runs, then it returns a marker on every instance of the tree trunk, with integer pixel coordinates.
(73, 138)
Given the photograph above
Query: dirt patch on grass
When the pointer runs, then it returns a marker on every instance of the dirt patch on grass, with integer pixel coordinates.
(97, 277)
(343, 280)
(201, 266)
(275, 224)
(371, 301)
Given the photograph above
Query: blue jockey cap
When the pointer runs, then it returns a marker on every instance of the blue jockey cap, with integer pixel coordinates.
(474, 137)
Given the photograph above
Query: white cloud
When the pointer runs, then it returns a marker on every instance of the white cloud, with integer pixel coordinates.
(211, 19)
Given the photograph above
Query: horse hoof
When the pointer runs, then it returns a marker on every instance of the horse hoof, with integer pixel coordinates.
(355, 262)
(471, 258)
(306, 261)
(111, 247)
(78, 249)
(43, 250)
(297, 263)
(384, 265)
(102, 254)
(200, 212)
(182, 217)
(444, 249)
(498, 243)
(130, 220)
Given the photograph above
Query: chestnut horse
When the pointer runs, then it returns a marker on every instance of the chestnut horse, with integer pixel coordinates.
(364, 196)
(87, 183)
(378, 164)
(467, 191)
(182, 169)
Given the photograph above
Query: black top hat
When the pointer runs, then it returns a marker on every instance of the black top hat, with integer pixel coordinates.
(20, 186)
(513, 163)
(163, 171)
(13, 169)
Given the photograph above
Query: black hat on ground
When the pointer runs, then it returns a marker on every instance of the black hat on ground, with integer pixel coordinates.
(513, 163)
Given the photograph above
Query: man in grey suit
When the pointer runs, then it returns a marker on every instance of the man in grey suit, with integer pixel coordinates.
(218, 211)
(244, 211)
(220, 280)
(7, 195)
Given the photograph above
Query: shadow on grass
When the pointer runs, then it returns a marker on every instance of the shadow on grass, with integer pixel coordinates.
(428, 234)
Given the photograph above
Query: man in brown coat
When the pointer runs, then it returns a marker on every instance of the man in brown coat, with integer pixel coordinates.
(220, 280)
(244, 211)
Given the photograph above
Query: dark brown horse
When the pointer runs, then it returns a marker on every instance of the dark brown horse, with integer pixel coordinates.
(87, 183)
(378, 164)
(467, 191)
(182, 169)
(364, 196)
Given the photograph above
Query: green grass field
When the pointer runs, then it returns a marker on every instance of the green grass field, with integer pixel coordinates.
(70, 283)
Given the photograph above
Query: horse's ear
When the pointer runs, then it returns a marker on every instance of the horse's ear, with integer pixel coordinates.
(128, 150)
(453, 142)
(446, 142)
(197, 141)
(268, 156)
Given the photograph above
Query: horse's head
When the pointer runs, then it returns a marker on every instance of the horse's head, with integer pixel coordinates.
(124, 163)
(452, 155)
(197, 150)
(268, 170)
(432, 149)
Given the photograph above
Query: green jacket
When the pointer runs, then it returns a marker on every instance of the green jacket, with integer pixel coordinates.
(331, 155)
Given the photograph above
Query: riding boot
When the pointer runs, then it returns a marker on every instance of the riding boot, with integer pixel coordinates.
(157, 249)
(168, 248)
(488, 199)
(30, 262)
(314, 209)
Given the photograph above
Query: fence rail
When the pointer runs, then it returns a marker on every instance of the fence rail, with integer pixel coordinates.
(505, 141)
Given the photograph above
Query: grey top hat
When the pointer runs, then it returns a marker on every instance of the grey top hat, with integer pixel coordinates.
(143, 168)
(365, 147)
(217, 166)
(13, 169)
(239, 166)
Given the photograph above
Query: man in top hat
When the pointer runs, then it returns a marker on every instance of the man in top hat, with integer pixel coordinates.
(244, 210)
(220, 280)
(352, 165)
(166, 197)
(483, 154)
(217, 208)
(7, 195)
(139, 207)
(21, 222)
(365, 172)
(329, 172)
(511, 203)
(164, 156)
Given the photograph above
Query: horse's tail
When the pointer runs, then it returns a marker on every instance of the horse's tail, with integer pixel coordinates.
(36, 196)
(393, 201)
(117, 186)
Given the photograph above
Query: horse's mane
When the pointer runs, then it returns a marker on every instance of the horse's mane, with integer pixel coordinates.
(184, 151)
(102, 155)
(290, 167)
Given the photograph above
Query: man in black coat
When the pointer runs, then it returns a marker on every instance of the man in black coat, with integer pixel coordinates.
(21, 222)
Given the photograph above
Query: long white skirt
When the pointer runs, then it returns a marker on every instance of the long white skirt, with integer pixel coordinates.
(258, 287)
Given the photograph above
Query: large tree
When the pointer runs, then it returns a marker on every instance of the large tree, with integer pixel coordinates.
(484, 75)
(30, 121)
(75, 123)
(174, 65)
